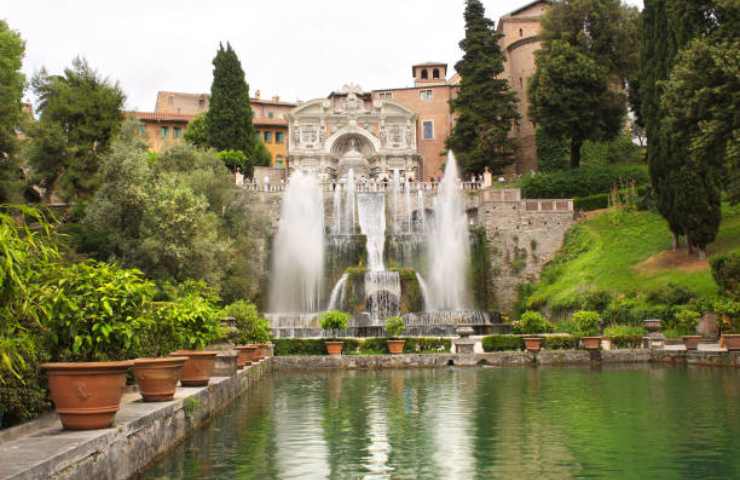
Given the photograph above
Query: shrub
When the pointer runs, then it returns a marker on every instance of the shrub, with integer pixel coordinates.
(633, 311)
(587, 322)
(726, 272)
(591, 202)
(561, 342)
(729, 310)
(394, 326)
(93, 311)
(334, 320)
(251, 326)
(670, 294)
(686, 321)
(532, 322)
(582, 182)
(353, 346)
(625, 336)
(23, 390)
(500, 343)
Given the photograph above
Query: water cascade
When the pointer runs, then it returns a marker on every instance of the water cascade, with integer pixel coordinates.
(395, 186)
(424, 291)
(421, 210)
(371, 212)
(349, 203)
(336, 299)
(407, 204)
(449, 248)
(298, 258)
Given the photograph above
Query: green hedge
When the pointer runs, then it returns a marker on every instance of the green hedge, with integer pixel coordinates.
(591, 202)
(561, 342)
(626, 341)
(499, 343)
(581, 182)
(356, 346)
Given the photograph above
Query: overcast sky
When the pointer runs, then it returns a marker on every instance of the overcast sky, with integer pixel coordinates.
(298, 49)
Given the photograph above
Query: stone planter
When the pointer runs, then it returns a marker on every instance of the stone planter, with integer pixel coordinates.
(253, 352)
(731, 341)
(264, 349)
(395, 346)
(334, 347)
(652, 324)
(591, 343)
(87, 395)
(198, 367)
(242, 358)
(157, 377)
(691, 341)
(533, 344)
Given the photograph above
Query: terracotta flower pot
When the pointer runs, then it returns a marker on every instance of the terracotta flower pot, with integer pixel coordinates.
(87, 395)
(264, 349)
(157, 377)
(731, 341)
(333, 347)
(533, 344)
(691, 341)
(242, 358)
(198, 367)
(395, 346)
(253, 352)
(591, 343)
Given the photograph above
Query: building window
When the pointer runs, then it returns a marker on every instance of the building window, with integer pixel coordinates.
(268, 136)
(427, 127)
(270, 114)
(177, 132)
(142, 130)
(164, 131)
(279, 162)
(521, 32)
(424, 74)
(279, 137)
(435, 73)
(426, 95)
(521, 82)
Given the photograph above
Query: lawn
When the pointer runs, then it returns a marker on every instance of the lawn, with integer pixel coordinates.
(624, 252)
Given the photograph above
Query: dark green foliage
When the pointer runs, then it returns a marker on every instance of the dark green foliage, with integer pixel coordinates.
(22, 399)
(582, 182)
(229, 118)
(500, 343)
(481, 273)
(234, 160)
(670, 294)
(196, 132)
(591, 202)
(411, 298)
(634, 311)
(485, 105)
(80, 115)
(552, 152)
(726, 272)
(12, 83)
(251, 326)
(561, 342)
(532, 322)
(619, 150)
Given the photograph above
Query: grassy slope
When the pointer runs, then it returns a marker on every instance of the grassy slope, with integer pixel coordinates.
(601, 253)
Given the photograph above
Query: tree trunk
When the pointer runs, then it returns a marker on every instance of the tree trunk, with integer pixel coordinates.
(676, 244)
(575, 152)
(701, 253)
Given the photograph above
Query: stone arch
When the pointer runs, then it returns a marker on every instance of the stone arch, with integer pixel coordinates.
(335, 143)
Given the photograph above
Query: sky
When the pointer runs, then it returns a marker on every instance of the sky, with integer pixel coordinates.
(297, 49)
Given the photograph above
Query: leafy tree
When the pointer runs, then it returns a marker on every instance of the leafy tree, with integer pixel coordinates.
(80, 114)
(261, 156)
(229, 118)
(486, 107)
(570, 97)
(196, 132)
(552, 152)
(12, 83)
(233, 159)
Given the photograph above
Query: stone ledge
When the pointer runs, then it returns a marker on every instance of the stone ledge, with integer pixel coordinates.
(142, 433)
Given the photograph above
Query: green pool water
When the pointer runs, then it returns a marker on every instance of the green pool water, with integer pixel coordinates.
(645, 422)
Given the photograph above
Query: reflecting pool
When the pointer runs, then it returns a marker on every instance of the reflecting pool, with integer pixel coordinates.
(641, 422)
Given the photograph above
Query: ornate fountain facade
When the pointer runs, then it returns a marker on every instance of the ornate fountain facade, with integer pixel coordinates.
(350, 130)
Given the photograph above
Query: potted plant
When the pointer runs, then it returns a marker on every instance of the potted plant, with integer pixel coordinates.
(588, 325)
(250, 329)
(533, 344)
(93, 314)
(686, 321)
(198, 325)
(333, 321)
(729, 313)
(395, 326)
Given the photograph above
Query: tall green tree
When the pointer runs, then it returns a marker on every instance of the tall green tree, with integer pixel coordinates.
(80, 114)
(486, 107)
(589, 52)
(12, 83)
(229, 118)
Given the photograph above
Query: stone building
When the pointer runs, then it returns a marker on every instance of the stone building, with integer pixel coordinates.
(174, 110)
(352, 129)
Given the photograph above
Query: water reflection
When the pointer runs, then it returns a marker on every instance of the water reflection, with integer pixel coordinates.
(484, 423)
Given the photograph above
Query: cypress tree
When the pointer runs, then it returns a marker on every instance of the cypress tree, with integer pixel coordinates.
(486, 107)
(229, 118)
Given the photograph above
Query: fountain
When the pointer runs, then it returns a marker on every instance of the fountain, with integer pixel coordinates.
(449, 244)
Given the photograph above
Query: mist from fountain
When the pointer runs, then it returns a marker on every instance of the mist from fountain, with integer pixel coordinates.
(421, 210)
(407, 204)
(298, 249)
(336, 299)
(349, 203)
(424, 291)
(449, 248)
(371, 212)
